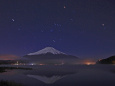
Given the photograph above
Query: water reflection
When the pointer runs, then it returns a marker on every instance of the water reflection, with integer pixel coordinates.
(49, 77)
(45, 79)
(78, 75)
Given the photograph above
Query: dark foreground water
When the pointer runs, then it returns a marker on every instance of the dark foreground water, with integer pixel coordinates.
(77, 75)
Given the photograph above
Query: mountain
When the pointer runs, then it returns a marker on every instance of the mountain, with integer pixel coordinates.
(109, 60)
(49, 55)
(46, 50)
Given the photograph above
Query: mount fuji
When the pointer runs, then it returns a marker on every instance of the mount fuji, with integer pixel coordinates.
(49, 53)
(46, 50)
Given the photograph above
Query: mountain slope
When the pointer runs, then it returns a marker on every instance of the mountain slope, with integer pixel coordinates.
(110, 60)
(46, 50)
(49, 53)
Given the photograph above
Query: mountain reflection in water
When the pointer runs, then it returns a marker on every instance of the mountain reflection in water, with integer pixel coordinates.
(50, 78)
(66, 75)
(47, 80)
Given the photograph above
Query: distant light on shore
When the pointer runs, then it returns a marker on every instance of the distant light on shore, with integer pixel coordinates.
(90, 63)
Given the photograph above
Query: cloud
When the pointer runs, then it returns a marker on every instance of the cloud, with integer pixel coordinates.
(8, 57)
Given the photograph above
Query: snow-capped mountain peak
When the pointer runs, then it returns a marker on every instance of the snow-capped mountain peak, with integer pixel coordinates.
(47, 50)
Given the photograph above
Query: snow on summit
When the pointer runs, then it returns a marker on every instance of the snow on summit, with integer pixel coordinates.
(47, 50)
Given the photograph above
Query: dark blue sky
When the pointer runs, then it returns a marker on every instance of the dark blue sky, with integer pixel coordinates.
(85, 28)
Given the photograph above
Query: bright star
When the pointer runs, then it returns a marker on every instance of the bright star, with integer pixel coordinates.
(64, 7)
(103, 24)
(13, 20)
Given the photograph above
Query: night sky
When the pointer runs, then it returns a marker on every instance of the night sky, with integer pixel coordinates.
(85, 28)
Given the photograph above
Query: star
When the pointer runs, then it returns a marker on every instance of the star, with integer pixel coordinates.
(103, 24)
(19, 29)
(71, 19)
(51, 30)
(13, 20)
(54, 41)
(58, 25)
(42, 31)
(64, 7)
(54, 23)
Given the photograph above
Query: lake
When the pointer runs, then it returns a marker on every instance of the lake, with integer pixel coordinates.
(62, 75)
